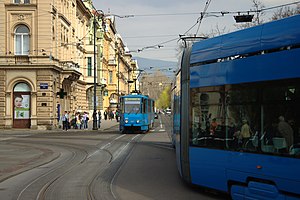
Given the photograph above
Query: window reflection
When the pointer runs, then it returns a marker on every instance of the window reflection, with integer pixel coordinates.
(258, 118)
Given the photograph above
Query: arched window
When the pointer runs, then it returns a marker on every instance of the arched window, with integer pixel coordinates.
(21, 40)
(22, 87)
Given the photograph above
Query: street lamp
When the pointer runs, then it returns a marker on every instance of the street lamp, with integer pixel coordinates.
(95, 12)
(118, 68)
(95, 80)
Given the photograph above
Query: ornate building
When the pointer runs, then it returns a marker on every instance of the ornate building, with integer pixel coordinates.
(46, 61)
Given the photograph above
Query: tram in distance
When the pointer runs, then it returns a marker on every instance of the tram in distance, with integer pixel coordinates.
(136, 114)
(236, 112)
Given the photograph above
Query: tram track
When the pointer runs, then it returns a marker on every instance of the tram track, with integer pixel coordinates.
(78, 172)
(74, 150)
(103, 181)
(75, 156)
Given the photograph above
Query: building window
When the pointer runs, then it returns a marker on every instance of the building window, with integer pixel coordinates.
(89, 66)
(22, 1)
(21, 40)
(110, 77)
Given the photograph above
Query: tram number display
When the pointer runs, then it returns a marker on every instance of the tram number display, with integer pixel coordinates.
(132, 100)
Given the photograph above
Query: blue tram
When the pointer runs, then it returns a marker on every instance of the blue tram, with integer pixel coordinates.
(236, 112)
(137, 113)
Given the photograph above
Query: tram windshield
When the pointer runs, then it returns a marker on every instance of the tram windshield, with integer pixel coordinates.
(132, 105)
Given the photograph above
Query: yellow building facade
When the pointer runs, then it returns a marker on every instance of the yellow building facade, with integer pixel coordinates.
(46, 62)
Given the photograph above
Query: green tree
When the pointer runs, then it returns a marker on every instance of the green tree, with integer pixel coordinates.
(164, 100)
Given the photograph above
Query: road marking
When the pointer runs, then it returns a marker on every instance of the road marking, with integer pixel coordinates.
(119, 153)
(105, 146)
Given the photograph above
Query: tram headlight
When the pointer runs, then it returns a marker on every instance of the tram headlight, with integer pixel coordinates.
(137, 121)
(126, 121)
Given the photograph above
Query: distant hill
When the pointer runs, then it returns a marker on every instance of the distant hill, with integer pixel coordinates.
(153, 65)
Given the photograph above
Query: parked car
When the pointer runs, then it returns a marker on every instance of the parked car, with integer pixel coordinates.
(168, 111)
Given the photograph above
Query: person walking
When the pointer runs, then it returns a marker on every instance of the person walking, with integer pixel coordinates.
(111, 115)
(99, 119)
(105, 114)
(78, 121)
(85, 120)
(117, 115)
(65, 120)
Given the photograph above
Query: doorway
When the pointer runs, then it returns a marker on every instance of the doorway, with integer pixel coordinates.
(21, 106)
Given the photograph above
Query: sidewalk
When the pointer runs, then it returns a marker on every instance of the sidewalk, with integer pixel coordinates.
(105, 124)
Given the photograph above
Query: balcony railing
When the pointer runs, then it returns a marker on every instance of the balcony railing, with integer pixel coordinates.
(21, 59)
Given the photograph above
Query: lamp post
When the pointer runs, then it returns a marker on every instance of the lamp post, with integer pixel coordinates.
(118, 69)
(118, 79)
(95, 12)
(95, 79)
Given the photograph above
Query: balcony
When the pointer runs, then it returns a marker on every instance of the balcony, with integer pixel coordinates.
(21, 59)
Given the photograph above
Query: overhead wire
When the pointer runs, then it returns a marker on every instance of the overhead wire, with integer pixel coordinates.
(202, 14)
(213, 13)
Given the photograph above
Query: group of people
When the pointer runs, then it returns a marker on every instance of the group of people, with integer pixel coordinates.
(77, 120)
(281, 129)
(110, 114)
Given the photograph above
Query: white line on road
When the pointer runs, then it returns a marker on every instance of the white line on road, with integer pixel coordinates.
(105, 146)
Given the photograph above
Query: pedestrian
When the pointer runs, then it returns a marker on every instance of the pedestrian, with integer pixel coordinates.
(99, 119)
(85, 120)
(65, 120)
(105, 114)
(117, 115)
(78, 121)
(73, 120)
(111, 115)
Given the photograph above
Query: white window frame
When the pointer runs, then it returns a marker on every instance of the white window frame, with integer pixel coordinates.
(22, 41)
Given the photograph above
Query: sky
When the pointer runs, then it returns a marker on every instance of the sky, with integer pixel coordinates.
(160, 22)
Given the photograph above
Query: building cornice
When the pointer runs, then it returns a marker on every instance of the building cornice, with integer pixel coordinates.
(20, 7)
(83, 9)
(61, 16)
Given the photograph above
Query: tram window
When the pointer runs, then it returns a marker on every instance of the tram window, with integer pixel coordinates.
(232, 119)
(144, 102)
(208, 119)
(243, 127)
(281, 120)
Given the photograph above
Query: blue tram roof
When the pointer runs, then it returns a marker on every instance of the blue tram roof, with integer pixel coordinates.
(136, 95)
(272, 35)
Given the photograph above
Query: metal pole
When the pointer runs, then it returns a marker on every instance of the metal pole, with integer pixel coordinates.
(118, 76)
(95, 80)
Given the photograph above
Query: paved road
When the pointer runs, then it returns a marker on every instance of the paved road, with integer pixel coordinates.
(87, 164)
(11, 160)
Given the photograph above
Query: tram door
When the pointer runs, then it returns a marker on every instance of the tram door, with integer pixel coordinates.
(21, 106)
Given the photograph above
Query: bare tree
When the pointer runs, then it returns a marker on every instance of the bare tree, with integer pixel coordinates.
(217, 31)
(285, 12)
